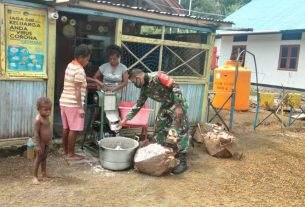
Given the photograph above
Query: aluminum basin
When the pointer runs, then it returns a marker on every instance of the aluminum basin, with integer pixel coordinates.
(117, 159)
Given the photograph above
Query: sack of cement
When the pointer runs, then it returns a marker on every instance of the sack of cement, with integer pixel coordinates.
(201, 130)
(218, 142)
(155, 159)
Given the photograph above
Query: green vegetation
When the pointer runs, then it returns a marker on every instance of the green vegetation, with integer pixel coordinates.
(217, 9)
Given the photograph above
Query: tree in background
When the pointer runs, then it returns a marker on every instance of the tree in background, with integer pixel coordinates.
(227, 7)
(217, 9)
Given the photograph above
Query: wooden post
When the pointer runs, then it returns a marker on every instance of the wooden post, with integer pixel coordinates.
(157, 104)
(161, 49)
(51, 43)
(207, 71)
(2, 40)
(118, 32)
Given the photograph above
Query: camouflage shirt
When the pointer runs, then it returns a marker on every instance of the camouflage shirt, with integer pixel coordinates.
(168, 96)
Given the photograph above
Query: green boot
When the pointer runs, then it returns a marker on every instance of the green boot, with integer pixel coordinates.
(182, 165)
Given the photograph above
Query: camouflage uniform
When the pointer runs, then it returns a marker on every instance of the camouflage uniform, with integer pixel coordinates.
(170, 97)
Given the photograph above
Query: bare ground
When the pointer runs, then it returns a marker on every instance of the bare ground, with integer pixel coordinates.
(271, 173)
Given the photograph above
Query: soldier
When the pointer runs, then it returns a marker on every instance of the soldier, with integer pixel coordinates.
(161, 87)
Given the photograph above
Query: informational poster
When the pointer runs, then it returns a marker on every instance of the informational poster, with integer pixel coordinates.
(26, 41)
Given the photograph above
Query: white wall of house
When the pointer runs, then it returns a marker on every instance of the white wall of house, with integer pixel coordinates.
(266, 48)
(218, 45)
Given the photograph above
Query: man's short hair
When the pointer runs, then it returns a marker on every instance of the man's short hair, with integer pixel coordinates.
(134, 72)
(82, 51)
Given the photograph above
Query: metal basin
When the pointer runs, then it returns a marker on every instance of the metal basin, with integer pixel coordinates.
(113, 158)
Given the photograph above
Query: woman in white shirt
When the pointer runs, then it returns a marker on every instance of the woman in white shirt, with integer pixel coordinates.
(113, 74)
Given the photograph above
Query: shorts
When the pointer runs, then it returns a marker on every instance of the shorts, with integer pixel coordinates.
(71, 119)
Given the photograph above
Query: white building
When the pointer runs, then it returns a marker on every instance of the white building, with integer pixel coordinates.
(277, 41)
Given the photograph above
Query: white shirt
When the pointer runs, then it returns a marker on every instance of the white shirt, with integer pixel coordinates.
(112, 76)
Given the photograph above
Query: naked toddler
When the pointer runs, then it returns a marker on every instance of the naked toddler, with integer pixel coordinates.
(43, 136)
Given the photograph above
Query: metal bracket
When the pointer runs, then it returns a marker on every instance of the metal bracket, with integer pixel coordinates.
(273, 112)
(291, 120)
(217, 111)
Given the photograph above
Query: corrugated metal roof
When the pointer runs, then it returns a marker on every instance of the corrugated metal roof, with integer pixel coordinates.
(162, 5)
(266, 15)
(159, 12)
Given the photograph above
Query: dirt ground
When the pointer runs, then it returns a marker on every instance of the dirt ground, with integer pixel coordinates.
(271, 173)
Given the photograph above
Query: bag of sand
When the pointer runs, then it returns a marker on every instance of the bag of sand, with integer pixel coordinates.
(155, 160)
(218, 142)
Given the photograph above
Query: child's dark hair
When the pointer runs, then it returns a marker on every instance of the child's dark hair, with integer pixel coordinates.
(114, 50)
(43, 101)
(82, 51)
(134, 72)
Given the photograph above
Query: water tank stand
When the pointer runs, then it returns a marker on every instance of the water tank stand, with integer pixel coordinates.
(293, 110)
(217, 111)
(273, 111)
(232, 96)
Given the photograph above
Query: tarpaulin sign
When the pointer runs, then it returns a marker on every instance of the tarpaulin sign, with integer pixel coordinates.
(26, 42)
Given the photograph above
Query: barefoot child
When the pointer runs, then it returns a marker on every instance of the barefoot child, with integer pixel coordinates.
(43, 136)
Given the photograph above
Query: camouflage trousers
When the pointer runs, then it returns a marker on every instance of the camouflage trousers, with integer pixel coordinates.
(164, 120)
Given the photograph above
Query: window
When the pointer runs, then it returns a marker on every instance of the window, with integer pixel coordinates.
(289, 55)
(292, 36)
(240, 38)
(236, 49)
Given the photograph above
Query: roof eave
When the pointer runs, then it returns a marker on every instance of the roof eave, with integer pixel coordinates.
(151, 15)
(244, 32)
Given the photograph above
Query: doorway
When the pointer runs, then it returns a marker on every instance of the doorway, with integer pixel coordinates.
(72, 30)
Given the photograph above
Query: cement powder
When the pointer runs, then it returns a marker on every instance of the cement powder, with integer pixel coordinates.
(118, 147)
(149, 151)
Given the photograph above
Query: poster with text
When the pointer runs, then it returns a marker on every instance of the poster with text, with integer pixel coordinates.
(26, 42)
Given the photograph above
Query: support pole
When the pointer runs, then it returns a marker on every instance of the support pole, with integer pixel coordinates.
(161, 49)
(2, 39)
(207, 71)
(190, 7)
(102, 108)
(51, 45)
(256, 111)
(118, 32)
(157, 104)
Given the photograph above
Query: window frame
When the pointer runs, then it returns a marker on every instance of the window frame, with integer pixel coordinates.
(244, 54)
(240, 38)
(288, 57)
(286, 36)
